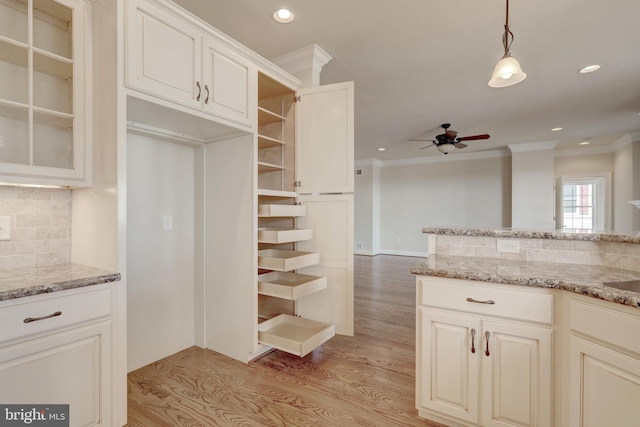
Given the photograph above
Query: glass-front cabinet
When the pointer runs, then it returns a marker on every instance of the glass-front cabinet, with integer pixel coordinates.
(44, 92)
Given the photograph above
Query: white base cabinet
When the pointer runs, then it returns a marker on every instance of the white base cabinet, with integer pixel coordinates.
(478, 362)
(603, 361)
(63, 353)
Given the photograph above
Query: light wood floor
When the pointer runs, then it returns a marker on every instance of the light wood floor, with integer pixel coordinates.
(365, 380)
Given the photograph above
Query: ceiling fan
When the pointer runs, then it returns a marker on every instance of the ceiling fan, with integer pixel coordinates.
(449, 139)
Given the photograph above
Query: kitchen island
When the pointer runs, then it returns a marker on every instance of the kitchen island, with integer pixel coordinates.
(518, 328)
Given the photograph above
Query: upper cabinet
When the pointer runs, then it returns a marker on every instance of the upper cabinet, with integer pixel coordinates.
(45, 97)
(174, 60)
(324, 135)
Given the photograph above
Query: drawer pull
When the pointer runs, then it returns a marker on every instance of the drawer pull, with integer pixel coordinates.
(489, 301)
(35, 319)
(487, 335)
(199, 91)
(473, 338)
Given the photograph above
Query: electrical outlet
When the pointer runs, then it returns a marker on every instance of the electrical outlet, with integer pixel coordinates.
(5, 228)
(511, 246)
(167, 222)
(358, 245)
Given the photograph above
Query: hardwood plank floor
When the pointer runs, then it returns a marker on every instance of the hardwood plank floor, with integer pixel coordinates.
(365, 380)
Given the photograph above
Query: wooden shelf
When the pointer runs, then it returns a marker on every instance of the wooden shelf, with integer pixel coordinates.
(284, 260)
(269, 88)
(268, 142)
(294, 335)
(282, 211)
(276, 193)
(289, 286)
(283, 235)
(269, 167)
(266, 117)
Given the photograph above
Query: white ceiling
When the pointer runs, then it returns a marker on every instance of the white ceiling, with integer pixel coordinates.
(419, 63)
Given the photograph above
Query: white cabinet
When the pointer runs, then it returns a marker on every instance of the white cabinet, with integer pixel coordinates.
(604, 364)
(324, 131)
(171, 58)
(480, 361)
(45, 92)
(58, 349)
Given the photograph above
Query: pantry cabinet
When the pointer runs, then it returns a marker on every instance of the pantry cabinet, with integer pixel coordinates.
(171, 58)
(57, 348)
(45, 92)
(484, 354)
(298, 248)
(604, 364)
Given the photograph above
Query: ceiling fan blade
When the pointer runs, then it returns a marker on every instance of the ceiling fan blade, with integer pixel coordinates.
(422, 140)
(474, 137)
(460, 145)
(427, 146)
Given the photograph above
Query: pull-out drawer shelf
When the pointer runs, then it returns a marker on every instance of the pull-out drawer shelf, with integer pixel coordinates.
(290, 286)
(283, 235)
(283, 260)
(294, 335)
(274, 211)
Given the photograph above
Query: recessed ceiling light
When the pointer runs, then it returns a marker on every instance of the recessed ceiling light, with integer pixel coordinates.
(589, 69)
(382, 149)
(556, 129)
(585, 143)
(283, 16)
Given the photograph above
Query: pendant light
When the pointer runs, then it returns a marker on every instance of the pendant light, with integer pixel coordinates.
(508, 71)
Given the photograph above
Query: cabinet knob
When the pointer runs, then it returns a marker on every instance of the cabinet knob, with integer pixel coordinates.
(35, 319)
(489, 301)
(473, 338)
(487, 335)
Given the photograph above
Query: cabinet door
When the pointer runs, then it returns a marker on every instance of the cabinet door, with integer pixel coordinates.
(324, 139)
(516, 375)
(72, 368)
(45, 92)
(331, 219)
(163, 55)
(448, 351)
(604, 386)
(229, 83)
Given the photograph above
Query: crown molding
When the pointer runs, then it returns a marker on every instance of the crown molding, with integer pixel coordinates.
(532, 146)
(489, 154)
(310, 57)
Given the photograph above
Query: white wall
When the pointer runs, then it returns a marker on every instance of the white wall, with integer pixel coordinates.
(532, 188)
(625, 188)
(160, 312)
(474, 193)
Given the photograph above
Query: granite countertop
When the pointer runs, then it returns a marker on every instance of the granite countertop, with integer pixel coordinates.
(580, 279)
(532, 234)
(23, 282)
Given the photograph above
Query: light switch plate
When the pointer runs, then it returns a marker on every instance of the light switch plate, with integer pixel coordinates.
(167, 222)
(5, 228)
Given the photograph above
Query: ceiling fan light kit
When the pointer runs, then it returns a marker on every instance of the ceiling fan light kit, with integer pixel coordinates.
(508, 70)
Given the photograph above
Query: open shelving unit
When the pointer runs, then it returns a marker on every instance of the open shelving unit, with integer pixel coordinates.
(279, 286)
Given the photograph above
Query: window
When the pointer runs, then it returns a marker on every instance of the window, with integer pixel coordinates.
(582, 206)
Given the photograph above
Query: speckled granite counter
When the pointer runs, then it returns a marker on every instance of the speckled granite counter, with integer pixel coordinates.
(532, 234)
(581, 279)
(18, 283)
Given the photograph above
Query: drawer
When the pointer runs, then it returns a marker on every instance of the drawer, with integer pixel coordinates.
(514, 302)
(42, 315)
(606, 324)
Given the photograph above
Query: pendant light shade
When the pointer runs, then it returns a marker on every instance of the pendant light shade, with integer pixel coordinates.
(508, 71)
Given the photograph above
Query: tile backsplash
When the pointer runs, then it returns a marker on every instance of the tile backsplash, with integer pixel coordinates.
(612, 254)
(40, 227)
